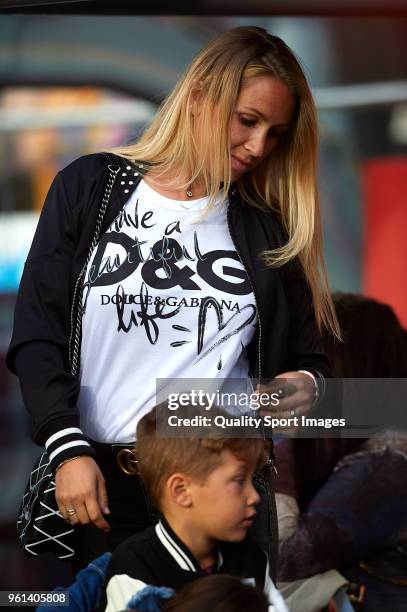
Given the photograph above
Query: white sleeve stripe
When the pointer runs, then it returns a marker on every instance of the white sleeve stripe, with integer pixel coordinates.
(67, 445)
(60, 434)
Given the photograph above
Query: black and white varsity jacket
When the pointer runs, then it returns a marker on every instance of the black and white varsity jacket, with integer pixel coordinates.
(40, 351)
(158, 557)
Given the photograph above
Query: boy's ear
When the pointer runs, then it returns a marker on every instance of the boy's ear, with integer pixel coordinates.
(178, 490)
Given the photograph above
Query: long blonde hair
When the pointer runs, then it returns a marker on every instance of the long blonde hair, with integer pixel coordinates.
(285, 181)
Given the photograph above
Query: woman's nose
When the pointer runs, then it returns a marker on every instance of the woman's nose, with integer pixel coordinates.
(256, 145)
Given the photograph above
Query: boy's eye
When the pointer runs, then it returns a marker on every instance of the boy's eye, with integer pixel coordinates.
(239, 479)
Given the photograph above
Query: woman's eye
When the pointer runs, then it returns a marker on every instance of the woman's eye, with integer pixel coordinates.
(247, 122)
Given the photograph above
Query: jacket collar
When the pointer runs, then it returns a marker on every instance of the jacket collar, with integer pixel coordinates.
(131, 173)
(128, 178)
(177, 549)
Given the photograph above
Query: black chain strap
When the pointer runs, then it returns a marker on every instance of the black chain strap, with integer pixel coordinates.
(76, 327)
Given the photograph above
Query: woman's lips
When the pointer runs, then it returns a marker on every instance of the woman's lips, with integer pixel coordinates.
(240, 165)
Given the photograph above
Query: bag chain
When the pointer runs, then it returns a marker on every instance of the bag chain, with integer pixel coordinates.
(75, 335)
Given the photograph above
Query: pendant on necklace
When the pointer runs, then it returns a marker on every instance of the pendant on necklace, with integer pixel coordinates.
(189, 193)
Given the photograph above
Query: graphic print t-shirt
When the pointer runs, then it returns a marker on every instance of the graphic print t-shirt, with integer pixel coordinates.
(166, 297)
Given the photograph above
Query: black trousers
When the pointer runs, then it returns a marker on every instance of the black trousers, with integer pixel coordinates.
(131, 511)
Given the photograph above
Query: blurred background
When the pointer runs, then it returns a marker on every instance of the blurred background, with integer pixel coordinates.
(75, 84)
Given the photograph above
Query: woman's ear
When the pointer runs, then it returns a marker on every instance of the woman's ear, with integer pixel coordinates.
(196, 98)
(178, 490)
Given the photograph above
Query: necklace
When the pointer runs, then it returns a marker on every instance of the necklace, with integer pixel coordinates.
(189, 192)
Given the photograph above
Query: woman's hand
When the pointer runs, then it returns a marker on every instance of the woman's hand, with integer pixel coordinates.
(296, 392)
(80, 486)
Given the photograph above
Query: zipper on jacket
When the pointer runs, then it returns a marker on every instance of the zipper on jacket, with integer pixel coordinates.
(271, 460)
(233, 191)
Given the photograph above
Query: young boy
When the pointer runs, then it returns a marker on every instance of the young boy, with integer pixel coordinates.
(203, 488)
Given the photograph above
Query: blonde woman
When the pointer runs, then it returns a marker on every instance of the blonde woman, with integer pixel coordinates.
(194, 253)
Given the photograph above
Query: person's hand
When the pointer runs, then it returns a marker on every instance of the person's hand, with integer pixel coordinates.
(80, 486)
(296, 392)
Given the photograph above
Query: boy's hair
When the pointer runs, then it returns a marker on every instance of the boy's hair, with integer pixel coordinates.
(217, 593)
(196, 455)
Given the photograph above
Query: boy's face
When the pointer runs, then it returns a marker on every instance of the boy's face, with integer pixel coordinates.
(224, 504)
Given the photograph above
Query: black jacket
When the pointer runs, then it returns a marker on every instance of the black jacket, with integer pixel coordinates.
(286, 337)
(147, 557)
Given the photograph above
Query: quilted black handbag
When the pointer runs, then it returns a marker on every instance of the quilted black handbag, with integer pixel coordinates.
(40, 526)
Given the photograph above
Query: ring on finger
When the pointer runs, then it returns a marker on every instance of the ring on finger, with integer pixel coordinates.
(71, 511)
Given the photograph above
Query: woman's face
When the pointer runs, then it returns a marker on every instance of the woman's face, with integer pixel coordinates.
(263, 112)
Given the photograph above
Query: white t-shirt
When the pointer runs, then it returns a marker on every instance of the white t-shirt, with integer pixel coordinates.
(165, 296)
